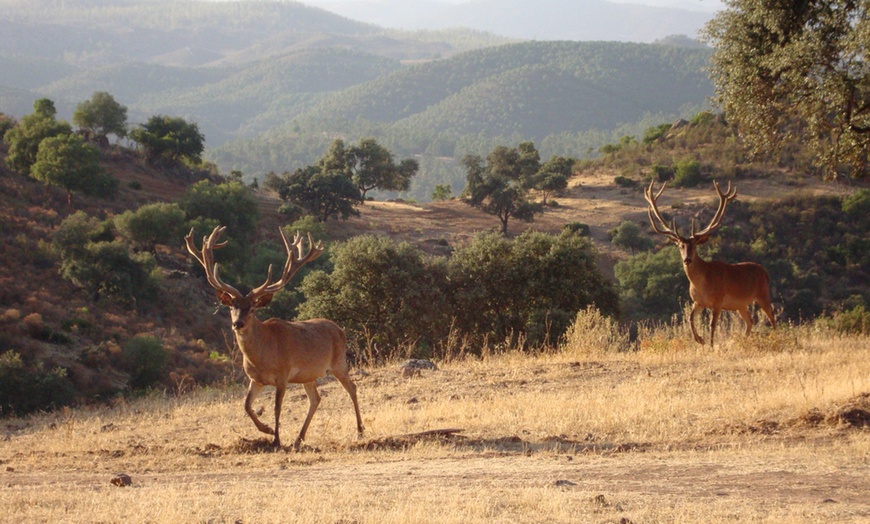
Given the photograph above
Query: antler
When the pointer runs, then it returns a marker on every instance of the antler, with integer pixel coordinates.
(292, 265)
(724, 198)
(206, 258)
(653, 210)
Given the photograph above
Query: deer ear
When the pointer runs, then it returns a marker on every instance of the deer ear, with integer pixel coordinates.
(702, 240)
(224, 297)
(263, 301)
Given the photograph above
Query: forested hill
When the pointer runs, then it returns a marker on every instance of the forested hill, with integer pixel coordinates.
(567, 97)
(532, 88)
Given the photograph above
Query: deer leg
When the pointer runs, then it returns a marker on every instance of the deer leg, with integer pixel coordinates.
(254, 389)
(695, 308)
(279, 400)
(713, 321)
(348, 384)
(747, 318)
(768, 310)
(313, 402)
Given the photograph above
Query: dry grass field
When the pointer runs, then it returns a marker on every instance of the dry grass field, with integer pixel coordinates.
(770, 428)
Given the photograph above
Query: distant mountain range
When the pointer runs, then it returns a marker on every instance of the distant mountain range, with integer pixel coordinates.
(538, 20)
(270, 84)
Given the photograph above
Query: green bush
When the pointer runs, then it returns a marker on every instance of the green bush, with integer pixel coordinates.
(442, 192)
(389, 293)
(152, 224)
(656, 133)
(93, 260)
(624, 181)
(662, 173)
(855, 321)
(577, 228)
(526, 290)
(145, 359)
(653, 285)
(28, 388)
(687, 173)
(858, 203)
(628, 235)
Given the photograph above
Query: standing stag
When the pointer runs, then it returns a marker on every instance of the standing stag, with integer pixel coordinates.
(715, 285)
(277, 352)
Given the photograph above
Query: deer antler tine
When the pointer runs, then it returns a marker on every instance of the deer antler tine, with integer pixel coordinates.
(716, 221)
(659, 224)
(206, 259)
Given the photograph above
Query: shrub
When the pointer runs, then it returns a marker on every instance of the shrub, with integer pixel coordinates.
(525, 290)
(858, 203)
(145, 359)
(630, 236)
(624, 181)
(687, 173)
(152, 224)
(442, 192)
(653, 284)
(855, 321)
(656, 133)
(390, 293)
(25, 389)
(577, 228)
(662, 173)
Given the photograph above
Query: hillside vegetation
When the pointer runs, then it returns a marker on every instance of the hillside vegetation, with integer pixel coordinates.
(567, 96)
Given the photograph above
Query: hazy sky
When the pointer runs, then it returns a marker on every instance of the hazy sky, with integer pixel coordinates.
(697, 5)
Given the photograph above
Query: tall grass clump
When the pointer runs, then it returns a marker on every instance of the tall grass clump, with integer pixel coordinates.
(594, 334)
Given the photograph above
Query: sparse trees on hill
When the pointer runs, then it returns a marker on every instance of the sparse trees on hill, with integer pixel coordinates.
(782, 69)
(101, 116)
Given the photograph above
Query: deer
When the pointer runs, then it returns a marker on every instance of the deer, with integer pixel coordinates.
(279, 352)
(714, 285)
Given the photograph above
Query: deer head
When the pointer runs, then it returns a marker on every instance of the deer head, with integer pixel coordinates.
(686, 244)
(242, 306)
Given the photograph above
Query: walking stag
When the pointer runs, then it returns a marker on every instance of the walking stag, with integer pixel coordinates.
(277, 352)
(715, 285)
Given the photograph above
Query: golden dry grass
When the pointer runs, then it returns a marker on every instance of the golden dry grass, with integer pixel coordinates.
(599, 431)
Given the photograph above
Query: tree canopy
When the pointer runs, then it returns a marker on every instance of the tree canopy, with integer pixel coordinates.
(500, 186)
(101, 116)
(24, 139)
(67, 161)
(322, 194)
(786, 69)
(170, 137)
(369, 165)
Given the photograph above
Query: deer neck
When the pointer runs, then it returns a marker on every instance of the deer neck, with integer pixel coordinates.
(697, 269)
(248, 336)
